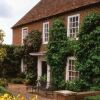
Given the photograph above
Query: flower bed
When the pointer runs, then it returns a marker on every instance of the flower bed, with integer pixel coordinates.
(18, 97)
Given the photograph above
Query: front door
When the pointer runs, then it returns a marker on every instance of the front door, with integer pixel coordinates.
(44, 68)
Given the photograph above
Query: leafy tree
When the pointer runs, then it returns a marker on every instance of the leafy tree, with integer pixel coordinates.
(1, 36)
(88, 53)
(57, 52)
(11, 63)
(2, 54)
(2, 50)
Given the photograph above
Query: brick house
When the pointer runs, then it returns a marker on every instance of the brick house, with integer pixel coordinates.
(40, 17)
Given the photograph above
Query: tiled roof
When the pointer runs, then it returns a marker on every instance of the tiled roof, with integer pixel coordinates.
(47, 8)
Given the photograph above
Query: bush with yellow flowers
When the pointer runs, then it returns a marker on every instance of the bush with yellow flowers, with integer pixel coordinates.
(18, 97)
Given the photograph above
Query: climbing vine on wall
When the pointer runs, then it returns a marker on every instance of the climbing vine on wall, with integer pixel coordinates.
(88, 53)
(32, 44)
(57, 52)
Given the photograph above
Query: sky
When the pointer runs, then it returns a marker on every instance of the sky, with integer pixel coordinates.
(10, 12)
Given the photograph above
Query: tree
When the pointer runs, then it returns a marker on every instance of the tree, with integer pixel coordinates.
(2, 54)
(88, 53)
(2, 50)
(57, 52)
(1, 36)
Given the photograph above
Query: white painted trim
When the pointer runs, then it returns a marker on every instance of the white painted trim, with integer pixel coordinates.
(43, 35)
(22, 34)
(39, 68)
(67, 66)
(48, 76)
(23, 66)
(68, 18)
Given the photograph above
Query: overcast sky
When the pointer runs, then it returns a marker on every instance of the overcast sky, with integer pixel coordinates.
(10, 12)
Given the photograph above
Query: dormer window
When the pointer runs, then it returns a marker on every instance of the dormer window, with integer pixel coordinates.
(73, 26)
(45, 32)
(24, 34)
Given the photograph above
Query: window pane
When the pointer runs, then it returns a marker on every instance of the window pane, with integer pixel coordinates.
(73, 26)
(77, 18)
(73, 19)
(72, 72)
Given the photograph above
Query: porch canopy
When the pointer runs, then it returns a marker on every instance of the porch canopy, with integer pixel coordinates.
(38, 54)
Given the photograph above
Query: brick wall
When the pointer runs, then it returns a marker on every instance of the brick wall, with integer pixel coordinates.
(74, 95)
(39, 25)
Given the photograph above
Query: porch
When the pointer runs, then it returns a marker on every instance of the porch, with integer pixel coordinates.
(43, 69)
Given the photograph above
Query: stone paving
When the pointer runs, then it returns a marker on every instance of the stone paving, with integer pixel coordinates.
(16, 89)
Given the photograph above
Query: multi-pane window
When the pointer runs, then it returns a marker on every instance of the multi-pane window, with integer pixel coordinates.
(24, 33)
(73, 26)
(71, 73)
(45, 32)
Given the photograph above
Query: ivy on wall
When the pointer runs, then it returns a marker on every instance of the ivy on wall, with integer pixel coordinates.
(33, 41)
(88, 53)
(32, 44)
(57, 52)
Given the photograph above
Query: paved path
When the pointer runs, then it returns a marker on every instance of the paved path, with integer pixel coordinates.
(16, 89)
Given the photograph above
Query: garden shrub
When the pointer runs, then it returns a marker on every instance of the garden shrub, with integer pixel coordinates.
(17, 81)
(3, 90)
(88, 53)
(56, 55)
(21, 75)
(11, 64)
(3, 82)
(76, 85)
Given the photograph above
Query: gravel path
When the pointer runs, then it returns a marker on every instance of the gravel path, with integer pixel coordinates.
(16, 89)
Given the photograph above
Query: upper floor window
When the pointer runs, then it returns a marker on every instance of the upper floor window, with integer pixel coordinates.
(71, 73)
(73, 26)
(45, 32)
(24, 33)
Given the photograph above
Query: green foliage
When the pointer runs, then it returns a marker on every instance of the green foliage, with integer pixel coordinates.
(3, 82)
(2, 54)
(77, 85)
(43, 80)
(19, 52)
(17, 81)
(93, 97)
(72, 47)
(1, 36)
(31, 74)
(57, 52)
(32, 44)
(11, 64)
(33, 41)
(88, 53)
(3, 90)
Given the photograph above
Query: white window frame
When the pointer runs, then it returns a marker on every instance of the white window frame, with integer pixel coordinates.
(68, 71)
(23, 66)
(68, 26)
(43, 36)
(25, 28)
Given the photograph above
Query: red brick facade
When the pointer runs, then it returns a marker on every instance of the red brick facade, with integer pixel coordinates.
(38, 25)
